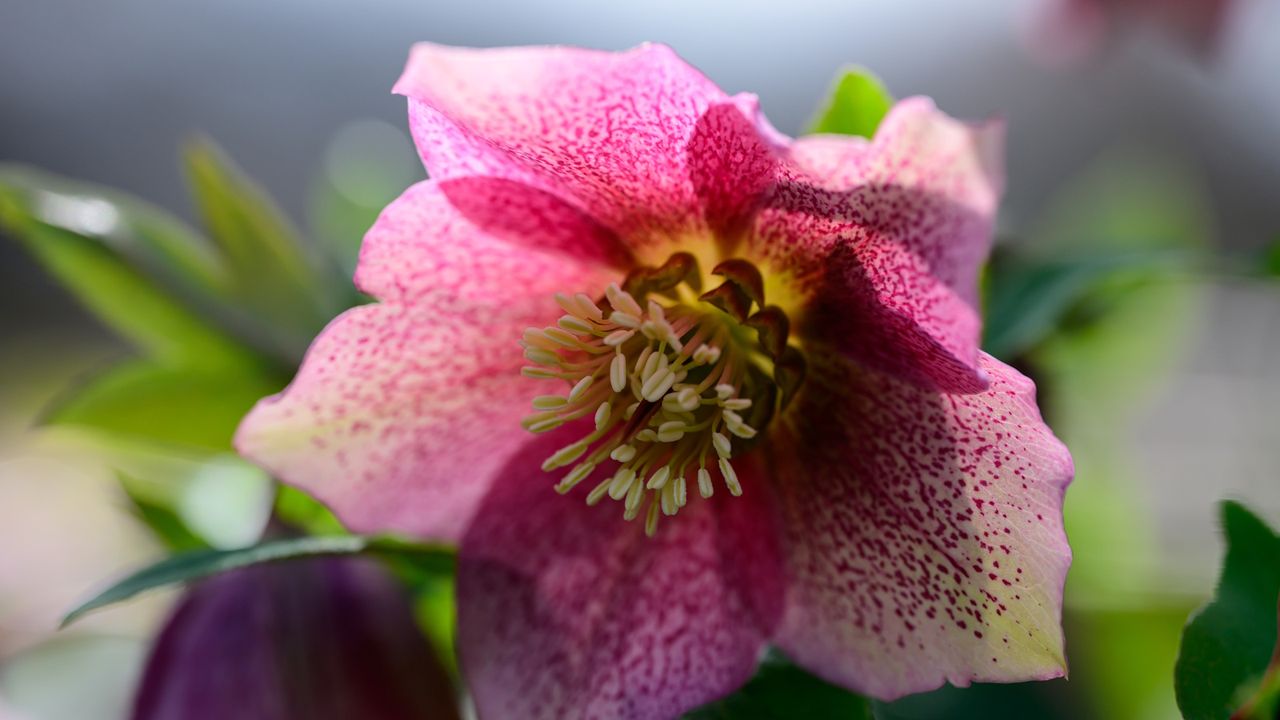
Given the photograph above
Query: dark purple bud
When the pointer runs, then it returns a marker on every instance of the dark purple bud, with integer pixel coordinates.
(322, 639)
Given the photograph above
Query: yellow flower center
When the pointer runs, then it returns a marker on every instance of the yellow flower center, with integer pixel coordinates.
(678, 383)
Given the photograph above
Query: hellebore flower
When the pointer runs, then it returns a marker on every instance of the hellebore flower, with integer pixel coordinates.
(317, 638)
(756, 389)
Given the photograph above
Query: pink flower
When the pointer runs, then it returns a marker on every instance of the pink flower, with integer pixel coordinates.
(818, 457)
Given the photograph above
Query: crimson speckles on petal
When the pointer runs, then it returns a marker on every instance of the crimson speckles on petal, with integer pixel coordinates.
(899, 523)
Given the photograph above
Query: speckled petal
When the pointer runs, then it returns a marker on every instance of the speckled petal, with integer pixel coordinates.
(402, 411)
(567, 612)
(610, 132)
(885, 238)
(925, 531)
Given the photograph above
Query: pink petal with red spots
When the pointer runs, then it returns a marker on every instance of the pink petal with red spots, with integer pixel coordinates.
(402, 411)
(611, 132)
(566, 611)
(924, 531)
(886, 238)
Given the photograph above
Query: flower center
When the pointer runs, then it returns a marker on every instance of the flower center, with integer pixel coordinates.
(678, 383)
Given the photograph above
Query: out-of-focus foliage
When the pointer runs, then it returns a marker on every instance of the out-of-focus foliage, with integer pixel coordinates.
(1228, 644)
(125, 261)
(294, 288)
(1109, 349)
(163, 521)
(781, 691)
(366, 165)
(1140, 228)
(857, 103)
(197, 564)
(1271, 259)
(218, 323)
(171, 292)
(175, 405)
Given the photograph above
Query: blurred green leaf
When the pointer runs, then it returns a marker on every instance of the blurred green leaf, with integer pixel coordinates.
(856, 105)
(163, 521)
(274, 272)
(148, 236)
(1109, 353)
(437, 614)
(1120, 658)
(781, 691)
(143, 400)
(203, 563)
(1228, 643)
(1028, 299)
(1271, 259)
(1044, 700)
(79, 239)
(367, 164)
(298, 509)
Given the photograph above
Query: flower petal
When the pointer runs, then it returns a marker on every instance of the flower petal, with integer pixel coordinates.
(459, 245)
(608, 131)
(401, 412)
(925, 530)
(568, 611)
(317, 638)
(885, 239)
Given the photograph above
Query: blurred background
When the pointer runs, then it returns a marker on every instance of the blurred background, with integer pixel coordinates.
(1143, 166)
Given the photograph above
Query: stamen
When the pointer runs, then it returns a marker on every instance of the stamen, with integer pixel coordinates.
(602, 414)
(622, 481)
(659, 478)
(618, 373)
(587, 308)
(721, 444)
(730, 477)
(548, 402)
(704, 483)
(582, 386)
(574, 324)
(621, 300)
(626, 320)
(565, 455)
(617, 337)
(575, 476)
(651, 522)
(682, 374)
(542, 357)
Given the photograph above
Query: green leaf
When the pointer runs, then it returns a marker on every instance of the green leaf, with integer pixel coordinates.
(97, 247)
(781, 691)
(436, 611)
(1029, 299)
(146, 235)
(1271, 259)
(1228, 643)
(856, 105)
(298, 509)
(1099, 370)
(162, 520)
(367, 164)
(144, 400)
(203, 563)
(275, 273)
